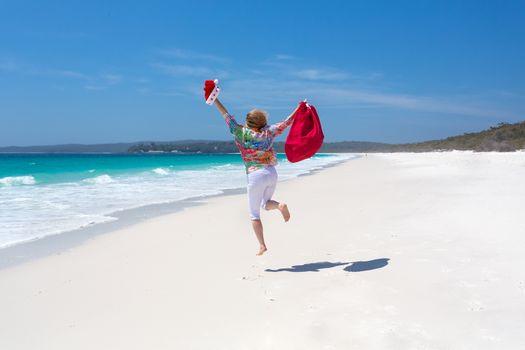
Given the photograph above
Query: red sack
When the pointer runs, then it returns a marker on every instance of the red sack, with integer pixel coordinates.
(305, 136)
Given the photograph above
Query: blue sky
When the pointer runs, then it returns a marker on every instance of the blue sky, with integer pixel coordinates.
(388, 71)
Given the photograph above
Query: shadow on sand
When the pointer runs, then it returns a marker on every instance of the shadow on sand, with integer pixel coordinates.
(356, 266)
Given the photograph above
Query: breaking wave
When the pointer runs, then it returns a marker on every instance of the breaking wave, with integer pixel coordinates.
(17, 180)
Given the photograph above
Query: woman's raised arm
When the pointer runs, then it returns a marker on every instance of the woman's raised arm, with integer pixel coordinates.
(279, 128)
(235, 128)
(221, 108)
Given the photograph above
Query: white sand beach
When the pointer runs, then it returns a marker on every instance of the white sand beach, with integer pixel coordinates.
(388, 251)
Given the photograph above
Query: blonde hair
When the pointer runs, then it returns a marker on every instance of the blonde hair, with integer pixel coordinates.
(256, 119)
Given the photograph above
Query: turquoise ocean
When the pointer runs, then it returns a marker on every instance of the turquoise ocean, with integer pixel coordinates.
(46, 194)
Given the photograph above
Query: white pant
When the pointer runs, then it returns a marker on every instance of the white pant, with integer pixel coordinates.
(261, 185)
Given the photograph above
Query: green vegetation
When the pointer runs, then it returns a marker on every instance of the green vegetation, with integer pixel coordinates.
(229, 147)
(501, 138)
(504, 137)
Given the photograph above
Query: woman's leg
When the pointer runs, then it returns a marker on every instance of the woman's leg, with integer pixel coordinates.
(283, 208)
(258, 229)
(256, 187)
(270, 204)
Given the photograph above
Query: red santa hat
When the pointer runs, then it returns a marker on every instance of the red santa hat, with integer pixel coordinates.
(211, 91)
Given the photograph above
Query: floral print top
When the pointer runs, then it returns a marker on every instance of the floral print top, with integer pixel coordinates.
(256, 147)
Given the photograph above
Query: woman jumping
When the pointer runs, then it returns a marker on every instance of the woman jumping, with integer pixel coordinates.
(254, 141)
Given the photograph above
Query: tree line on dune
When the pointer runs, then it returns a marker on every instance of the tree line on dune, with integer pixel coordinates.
(503, 137)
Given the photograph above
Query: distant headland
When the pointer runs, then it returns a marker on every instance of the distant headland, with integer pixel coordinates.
(503, 137)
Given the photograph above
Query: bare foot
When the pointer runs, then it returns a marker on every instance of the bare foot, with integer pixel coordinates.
(262, 249)
(283, 208)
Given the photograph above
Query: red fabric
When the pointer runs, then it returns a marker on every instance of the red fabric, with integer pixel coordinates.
(305, 136)
(209, 86)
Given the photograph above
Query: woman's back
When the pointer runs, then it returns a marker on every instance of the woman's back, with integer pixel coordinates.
(256, 146)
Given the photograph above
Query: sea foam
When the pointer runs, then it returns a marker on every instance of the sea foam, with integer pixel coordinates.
(160, 171)
(100, 180)
(17, 180)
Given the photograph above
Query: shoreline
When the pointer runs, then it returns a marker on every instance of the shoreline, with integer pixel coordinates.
(40, 247)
